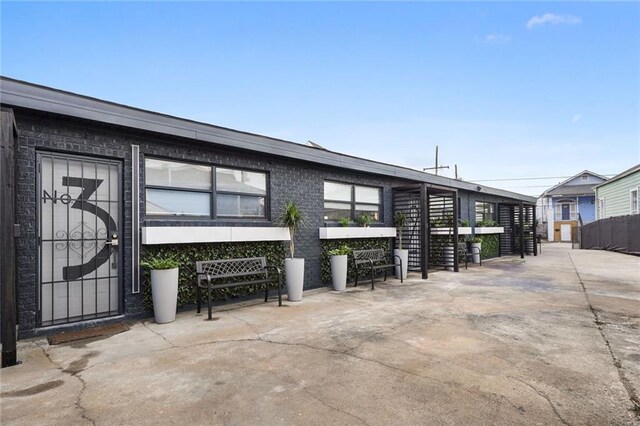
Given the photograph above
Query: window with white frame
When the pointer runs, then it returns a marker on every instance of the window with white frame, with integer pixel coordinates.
(633, 200)
(175, 188)
(602, 204)
(350, 201)
(566, 210)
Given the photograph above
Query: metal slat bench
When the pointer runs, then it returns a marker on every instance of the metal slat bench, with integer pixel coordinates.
(228, 273)
(373, 260)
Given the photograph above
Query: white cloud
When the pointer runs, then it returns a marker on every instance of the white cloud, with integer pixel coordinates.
(497, 38)
(576, 118)
(553, 19)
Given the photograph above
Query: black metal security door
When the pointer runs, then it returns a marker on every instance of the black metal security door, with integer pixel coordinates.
(78, 231)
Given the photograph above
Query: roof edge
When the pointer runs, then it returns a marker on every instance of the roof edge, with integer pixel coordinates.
(47, 99)
(621, 175)
(571, 178)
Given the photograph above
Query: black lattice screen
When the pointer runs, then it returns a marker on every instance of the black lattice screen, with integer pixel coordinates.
(509, 218)
(441, 226)
(408, 202)
(506, 220)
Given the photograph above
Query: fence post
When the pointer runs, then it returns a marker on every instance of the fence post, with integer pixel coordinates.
(8, 311)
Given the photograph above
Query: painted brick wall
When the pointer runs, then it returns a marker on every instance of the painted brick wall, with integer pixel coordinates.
(299, 182)
(290, 180)
(38, 133)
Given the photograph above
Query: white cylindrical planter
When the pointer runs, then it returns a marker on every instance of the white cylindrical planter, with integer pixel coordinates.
(164, 290)
(404, 255)
(339, 272)
(449, 257)
(475, 251)
(294, 272)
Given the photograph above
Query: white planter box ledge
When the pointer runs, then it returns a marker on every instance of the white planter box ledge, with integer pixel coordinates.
(339, 233)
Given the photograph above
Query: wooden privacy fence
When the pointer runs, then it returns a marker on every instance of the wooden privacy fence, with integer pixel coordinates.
(620, 233)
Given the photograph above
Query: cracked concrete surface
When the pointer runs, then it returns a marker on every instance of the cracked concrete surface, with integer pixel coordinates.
(551, 340)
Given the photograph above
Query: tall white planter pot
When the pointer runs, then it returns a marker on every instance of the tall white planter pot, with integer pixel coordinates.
(404, 255)
(339, 266)
(449, 257)
(475, 251)
(294, 271)
(164, 291)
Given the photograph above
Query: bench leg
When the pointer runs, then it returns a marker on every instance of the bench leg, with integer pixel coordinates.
(266, 293)
(279, 293)
(372, 287)
(356, 285)
(198, 297)
(209, 298)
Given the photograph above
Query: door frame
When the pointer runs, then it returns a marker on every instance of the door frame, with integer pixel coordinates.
(38, 228)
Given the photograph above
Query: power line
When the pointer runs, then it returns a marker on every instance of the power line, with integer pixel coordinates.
(526, 186)
(528, 178)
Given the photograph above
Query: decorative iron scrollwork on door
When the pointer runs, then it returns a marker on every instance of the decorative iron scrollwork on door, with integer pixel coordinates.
(81, 240)
(88, 186)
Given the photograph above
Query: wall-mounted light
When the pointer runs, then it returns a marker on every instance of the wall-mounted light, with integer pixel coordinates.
(478, 187)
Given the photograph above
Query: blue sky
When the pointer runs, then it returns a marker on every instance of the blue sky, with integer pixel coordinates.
(506, 89)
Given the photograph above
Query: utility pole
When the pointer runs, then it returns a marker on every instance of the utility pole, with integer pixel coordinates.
(437, 167)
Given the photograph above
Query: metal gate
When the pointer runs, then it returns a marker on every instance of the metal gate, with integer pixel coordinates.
(78, 228)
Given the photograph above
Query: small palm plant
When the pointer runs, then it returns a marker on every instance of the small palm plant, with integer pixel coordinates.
(344, 222)
(158, 263)
(364, 220)
(293, 219)
(340, 251)
(400, 219)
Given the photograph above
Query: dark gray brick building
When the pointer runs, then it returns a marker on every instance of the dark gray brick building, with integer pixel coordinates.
(97, 183)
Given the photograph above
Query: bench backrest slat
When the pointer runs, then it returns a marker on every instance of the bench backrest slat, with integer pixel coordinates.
(232, 267)
(365, 256)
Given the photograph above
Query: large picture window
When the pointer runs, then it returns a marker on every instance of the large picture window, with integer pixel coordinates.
(485, 211)
(184, 189)
(350, 201)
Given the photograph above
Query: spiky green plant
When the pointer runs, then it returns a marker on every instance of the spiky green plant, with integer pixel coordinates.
(293, 219)
(400, 220)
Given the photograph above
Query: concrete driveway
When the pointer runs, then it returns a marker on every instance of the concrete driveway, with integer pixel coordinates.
(549, 340)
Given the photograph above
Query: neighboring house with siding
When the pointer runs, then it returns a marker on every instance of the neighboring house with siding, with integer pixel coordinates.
(562, 206)
(620, 195)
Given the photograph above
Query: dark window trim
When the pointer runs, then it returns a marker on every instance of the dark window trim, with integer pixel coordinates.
(173, 188)
(484, 212)
(213, 192)
(248, 194)
(353, 201)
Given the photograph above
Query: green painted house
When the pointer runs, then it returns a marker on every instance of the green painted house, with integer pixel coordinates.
(620, 195)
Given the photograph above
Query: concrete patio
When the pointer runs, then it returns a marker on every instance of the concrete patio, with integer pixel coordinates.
(551, 339)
